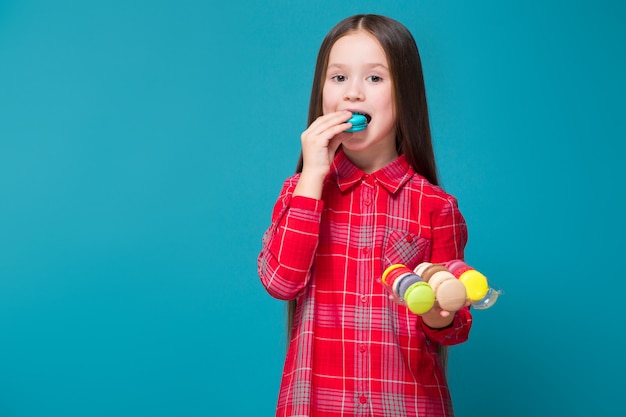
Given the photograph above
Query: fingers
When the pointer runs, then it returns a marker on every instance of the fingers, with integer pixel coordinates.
(437, 310)
(325, 128)
(334, 143)
(331, 122)
(321, 140)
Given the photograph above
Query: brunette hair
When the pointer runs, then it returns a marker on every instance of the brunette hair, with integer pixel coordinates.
(413, 138)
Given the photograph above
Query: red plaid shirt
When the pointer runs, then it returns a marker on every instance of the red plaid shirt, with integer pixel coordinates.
(353, 352)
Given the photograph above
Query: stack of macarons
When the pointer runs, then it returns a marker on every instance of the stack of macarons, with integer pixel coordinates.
(451, 285)
(450, 293)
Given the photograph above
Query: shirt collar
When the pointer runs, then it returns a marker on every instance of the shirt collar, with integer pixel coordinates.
(392, 177)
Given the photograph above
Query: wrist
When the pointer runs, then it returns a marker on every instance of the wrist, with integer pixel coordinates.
(310, 184)
(314, 173)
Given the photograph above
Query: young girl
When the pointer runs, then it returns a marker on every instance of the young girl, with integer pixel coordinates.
(360, 202)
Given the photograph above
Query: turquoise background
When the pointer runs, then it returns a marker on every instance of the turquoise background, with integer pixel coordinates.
(142, 146)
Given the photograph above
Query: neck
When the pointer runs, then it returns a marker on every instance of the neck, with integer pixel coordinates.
(371, 160)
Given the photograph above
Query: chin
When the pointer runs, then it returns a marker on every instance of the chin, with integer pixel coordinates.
(357, 140)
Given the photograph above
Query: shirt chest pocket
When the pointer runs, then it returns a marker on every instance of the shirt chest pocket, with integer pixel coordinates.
(405, 248)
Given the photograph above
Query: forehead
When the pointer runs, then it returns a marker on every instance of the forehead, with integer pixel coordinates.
(359, 46)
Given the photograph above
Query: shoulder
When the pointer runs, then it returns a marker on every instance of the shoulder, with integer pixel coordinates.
(430, 198)
(419, 185)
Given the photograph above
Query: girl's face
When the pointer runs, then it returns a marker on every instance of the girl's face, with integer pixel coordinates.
(358, 79)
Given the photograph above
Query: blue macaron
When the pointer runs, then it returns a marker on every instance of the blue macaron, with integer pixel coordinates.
(358, 121)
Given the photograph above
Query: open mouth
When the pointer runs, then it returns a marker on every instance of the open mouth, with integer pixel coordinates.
(359, 121)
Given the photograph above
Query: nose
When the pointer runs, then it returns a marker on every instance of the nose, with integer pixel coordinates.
(354, 91)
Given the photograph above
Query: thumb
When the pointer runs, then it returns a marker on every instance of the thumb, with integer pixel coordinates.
(334, 144)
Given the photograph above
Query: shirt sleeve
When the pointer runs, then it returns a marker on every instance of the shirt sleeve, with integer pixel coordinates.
(449, 237)
(455, 333)
(289, 244)
(449, 232)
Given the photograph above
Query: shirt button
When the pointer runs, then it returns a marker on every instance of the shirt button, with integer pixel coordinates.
(362, 348)
(362, 399)
(364, 299)
(368, 202)
(366, 250)
(409, 239)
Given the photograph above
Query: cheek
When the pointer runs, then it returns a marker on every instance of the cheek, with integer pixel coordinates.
(387, 103)
(391, 105)
(325, 107)
(327, 101)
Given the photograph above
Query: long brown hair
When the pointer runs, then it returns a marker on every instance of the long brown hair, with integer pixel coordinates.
(413, 137)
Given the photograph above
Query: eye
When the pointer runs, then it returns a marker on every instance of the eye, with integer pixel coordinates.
(338, 78)
(375, 78)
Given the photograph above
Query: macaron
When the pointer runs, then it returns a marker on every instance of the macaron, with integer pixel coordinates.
(475, 284)
(431, 270)
(449, 291)
(454, 265)
(359, 122)
(395, 286)
(419, 298)
(403, 283)
(419, 269)
(389, 269)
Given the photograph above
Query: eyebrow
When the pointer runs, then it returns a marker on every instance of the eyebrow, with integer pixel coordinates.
(368, 65)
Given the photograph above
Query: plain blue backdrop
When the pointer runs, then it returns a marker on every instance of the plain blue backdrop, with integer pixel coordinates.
(142, 146)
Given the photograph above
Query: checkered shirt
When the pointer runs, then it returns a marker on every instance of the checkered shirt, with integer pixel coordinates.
(353, 351)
